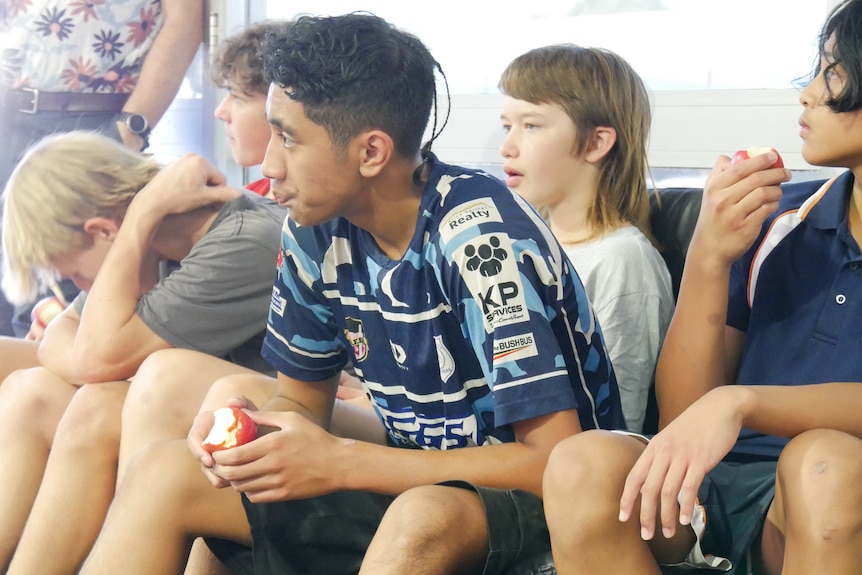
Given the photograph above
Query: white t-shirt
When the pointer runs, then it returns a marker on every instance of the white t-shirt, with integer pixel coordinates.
(629, 287)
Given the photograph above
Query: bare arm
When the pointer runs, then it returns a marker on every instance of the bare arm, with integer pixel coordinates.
(55, 348)
(700, 352)
(301, 459)
(112, 339)
(165, 64)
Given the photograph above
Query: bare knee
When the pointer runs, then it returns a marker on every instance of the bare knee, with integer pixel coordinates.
(818, 476)
(155, 384)
(93, 417)
(576, 462)
(425, 518)
(34, 399)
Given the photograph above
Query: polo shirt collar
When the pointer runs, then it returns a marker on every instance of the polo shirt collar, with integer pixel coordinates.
(830, 211)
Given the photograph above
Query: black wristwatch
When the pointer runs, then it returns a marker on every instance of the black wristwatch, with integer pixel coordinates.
(137, 124)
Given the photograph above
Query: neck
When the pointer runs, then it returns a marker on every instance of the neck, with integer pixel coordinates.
(854, 210)
(391, 208)
(177, 234)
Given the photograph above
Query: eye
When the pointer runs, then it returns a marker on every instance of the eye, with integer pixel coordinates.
(507, 128)
(285, 140)
(530, 126)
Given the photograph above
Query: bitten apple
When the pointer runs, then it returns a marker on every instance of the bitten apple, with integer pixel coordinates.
(46, 310)
(232, 427)
(756, 151)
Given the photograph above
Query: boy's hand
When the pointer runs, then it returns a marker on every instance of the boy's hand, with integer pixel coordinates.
(296, 461)
(736, 201)
(201, 427)
(184, 186)
(669, 472)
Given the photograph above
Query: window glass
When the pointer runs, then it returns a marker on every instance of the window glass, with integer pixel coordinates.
(673, 44)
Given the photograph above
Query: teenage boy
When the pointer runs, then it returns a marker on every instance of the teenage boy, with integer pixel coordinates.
(85, 207)
(763, 474)
(468, 327)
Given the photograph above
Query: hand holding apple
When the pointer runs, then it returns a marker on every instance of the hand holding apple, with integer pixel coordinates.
(232, 427)
(46, 310)
(756, 151)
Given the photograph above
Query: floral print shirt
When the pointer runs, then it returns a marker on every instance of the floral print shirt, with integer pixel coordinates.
(76, 45)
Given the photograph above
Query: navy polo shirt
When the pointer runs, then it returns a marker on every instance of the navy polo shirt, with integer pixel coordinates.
(797, 294)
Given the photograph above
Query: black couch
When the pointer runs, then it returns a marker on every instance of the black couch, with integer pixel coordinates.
(673, 215)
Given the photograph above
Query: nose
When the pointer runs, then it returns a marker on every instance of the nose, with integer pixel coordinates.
(508, 149)
(810, 93)
(272, 166)
(221, 110)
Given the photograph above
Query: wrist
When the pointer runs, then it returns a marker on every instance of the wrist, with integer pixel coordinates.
(740, 400)
(133, 127)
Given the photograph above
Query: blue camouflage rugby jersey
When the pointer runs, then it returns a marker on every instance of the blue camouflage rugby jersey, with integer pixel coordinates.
(482, 323)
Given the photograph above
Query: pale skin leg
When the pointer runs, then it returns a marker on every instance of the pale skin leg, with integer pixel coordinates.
(582, 486)
(78, 483)
(165, 396)
(142, 538)
(17, 354)
(814, 523)
(32, 402)
(430, 530)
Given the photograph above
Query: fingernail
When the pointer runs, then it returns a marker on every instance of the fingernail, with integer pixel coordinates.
(666, 532)
(645, 534)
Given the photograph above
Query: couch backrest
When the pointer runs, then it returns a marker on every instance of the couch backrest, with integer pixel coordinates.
(673, 215)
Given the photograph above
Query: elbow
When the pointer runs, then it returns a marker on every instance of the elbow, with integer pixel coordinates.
(94, 367)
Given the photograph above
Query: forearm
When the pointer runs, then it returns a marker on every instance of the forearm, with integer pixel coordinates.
(55, 349)
(168, 59)
(692, 360)
(787, 411)
(361, 465)
(106, 334)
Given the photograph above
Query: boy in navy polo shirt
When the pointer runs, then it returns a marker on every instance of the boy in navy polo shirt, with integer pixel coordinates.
(764, 473)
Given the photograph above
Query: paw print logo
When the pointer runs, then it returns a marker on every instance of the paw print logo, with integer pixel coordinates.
(488, 259)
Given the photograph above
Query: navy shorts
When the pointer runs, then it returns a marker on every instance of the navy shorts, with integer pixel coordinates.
(330, 534)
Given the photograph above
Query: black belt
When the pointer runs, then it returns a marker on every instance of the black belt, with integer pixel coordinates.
(27, 101)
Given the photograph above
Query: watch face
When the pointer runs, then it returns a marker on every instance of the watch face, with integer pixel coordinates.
(136, 123)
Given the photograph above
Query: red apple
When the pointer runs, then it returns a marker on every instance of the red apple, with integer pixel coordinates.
(45, 310)
(232, 427)
(756, 151)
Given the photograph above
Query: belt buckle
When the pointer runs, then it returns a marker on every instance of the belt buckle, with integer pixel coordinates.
(34, 107)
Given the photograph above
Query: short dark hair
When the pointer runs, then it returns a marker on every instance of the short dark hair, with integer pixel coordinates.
(237, 58)
(353, 73)
(845, 24)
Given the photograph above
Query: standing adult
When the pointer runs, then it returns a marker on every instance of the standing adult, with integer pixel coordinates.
(109, 66)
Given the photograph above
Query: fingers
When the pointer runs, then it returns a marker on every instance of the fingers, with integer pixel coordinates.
(688, 494)
(634, 482)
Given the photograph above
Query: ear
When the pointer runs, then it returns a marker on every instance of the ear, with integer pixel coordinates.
(600, 144)
(377, 149)
(102, 228)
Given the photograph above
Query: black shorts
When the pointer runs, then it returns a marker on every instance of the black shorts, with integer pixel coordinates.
(330, 534)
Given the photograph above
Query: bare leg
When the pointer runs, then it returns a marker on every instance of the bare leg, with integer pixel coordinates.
(430, 530)
(582, 487)
(78, 483)
(203, 562)
(817, 506)
(163, 503)
(166, 394)
(16, 354)
(31, 404)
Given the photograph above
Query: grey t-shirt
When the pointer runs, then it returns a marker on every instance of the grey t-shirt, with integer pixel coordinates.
(216, 299)
(629, 287)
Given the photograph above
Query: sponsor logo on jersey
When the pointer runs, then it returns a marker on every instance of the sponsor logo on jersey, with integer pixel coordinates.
(277, 303)
(514, 348)
(476, 212)
(399, 354)
(355, 334)
(490, 257)
(444, 359)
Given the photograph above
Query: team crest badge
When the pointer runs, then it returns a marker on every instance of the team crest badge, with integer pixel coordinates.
(355, 334)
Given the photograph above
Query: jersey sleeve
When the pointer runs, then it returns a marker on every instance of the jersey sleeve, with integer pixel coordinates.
(524, 312)
(302, 338)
